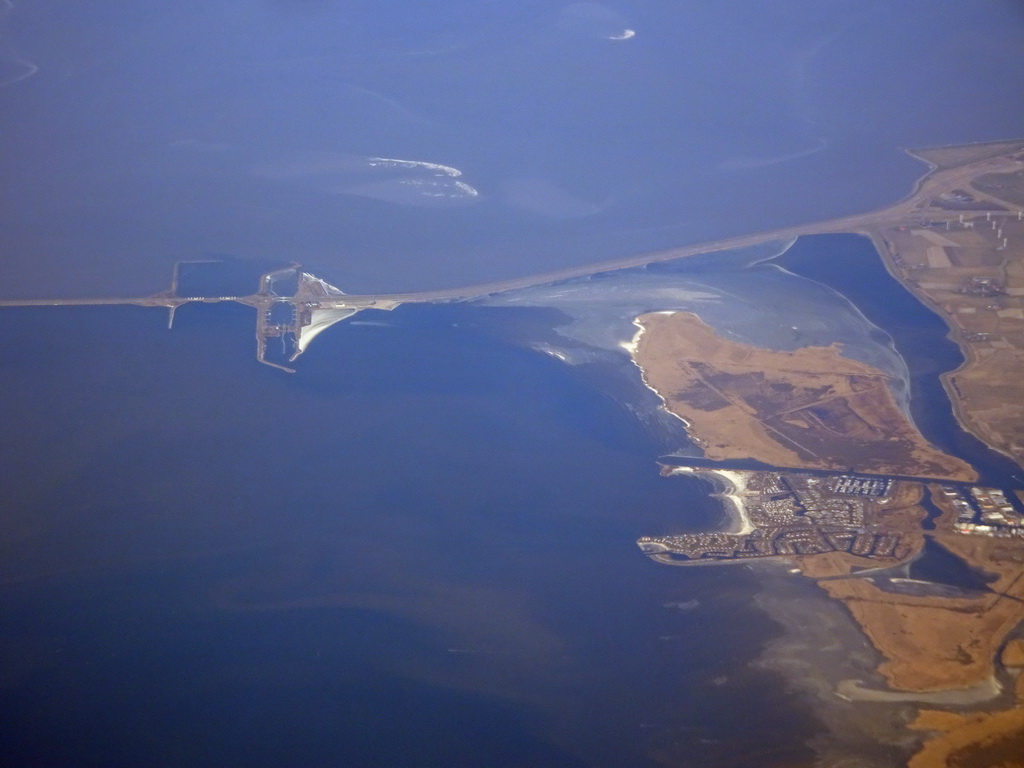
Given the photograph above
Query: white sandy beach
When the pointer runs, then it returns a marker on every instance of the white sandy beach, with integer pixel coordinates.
(735, 485)
(631, 347)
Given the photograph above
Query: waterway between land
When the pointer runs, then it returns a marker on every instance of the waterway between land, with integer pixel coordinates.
(850, 265)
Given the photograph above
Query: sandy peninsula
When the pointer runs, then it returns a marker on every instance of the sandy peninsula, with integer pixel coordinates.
(809, 407)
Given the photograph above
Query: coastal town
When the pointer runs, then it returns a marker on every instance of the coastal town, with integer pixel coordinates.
(789, 514)
(930, 571)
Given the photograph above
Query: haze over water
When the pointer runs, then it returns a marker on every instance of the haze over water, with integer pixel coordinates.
(396, 145)
(419, 549)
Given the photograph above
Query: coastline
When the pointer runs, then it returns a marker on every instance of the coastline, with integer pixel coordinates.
(730, 487)
(808, 407)
(631, 347)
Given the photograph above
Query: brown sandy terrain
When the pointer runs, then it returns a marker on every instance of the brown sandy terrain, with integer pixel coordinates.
(976, 740)
(929, 643)
(807, 408)
(981, 739)
(1013, 654)
(938, 642)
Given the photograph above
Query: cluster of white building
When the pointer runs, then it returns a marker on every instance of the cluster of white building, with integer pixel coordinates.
(987, 512)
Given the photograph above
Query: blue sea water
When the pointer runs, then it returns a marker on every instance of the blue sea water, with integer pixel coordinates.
(419, 549)
(405, 145)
